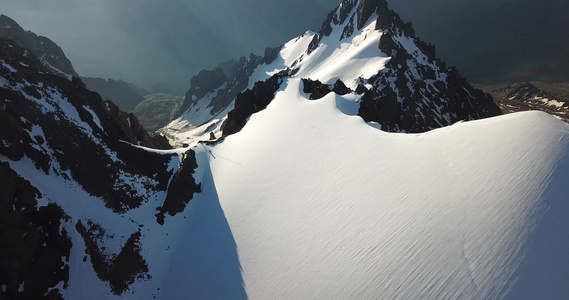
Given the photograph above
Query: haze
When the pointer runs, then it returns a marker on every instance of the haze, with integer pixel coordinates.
(150, 42)
(164, 42)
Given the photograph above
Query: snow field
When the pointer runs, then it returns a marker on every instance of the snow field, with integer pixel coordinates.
(321, 205)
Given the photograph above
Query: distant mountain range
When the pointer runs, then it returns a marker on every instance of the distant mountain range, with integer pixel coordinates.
(157, 110)
(348, 163)
(552, 98)
(124, 94)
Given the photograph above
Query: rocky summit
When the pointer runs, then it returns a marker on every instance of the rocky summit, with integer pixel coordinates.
(49, 53)
(57, 129)
(335, 166)
(397, 78)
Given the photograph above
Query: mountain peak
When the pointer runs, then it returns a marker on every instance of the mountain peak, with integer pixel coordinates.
(363, 46)
(49, 53)
(301, 197)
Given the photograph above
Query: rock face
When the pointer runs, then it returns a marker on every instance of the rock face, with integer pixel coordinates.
(414, 91)
(222, 84)
(212, 96)
(64, 128)
(77, 150)
(124, 94)
(318, 90)
(181, 189)
(552, 98)
(34, 250)
(252, 101)
(49, 53)
(121, 270)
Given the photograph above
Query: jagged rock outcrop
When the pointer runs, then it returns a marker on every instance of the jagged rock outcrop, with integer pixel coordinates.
(70, 131)
(416, 91)
(49, 53)
(222, 84)
(132, 131)
(181, 189)
(413, 92)
(252, 101)
(86, 152)
(365, 9)
(318, 90)
(34, 251)
(201, 84)
(119, 270)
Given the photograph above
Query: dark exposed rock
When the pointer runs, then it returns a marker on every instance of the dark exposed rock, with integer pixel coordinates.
(361, 89)
(181, 189)
(386, 17)
(417, 92)
(365, 9)
(203, 83)
(325, 30)
(225, 81)
(119, 270)
(33, 250)
(524, 92)
(340, 88)
(130, 129)
(50, 53)
(80, 135)
(315, 88)
(318, 90)
(252, 101)
(271, 54)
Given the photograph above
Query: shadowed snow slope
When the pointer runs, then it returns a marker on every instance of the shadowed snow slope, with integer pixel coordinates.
(323, 206)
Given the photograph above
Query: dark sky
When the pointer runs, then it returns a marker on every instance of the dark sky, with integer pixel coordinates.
(151, 41)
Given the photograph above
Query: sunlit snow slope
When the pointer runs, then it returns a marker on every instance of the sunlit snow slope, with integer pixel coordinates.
(321, 205)
(365, 49)
(337, 57)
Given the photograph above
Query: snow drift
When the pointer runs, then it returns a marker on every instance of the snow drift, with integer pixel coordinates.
(323, 206)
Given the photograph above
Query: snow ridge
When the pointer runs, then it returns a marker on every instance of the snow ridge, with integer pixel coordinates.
(348, 211)
(400, 83)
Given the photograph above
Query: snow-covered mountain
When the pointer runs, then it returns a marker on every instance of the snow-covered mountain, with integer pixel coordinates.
(49, 53)
(71, 163)
(526, 96)
(301, 195)
(362, 49)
